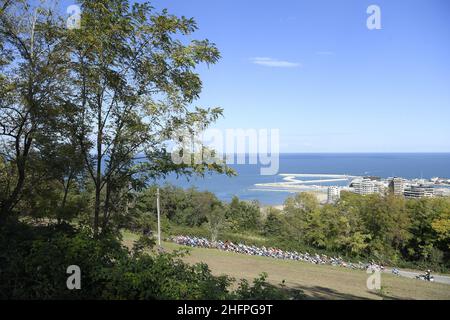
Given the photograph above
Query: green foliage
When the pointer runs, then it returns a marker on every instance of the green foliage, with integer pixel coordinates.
(426, 215)
(33, 263)
(164, 276)
(143, 243)
(243, 215)
(262, 290)
(216, 222)
(80, 105)
(189, 208)
(274, 223)
(388, 229)
(303, 221)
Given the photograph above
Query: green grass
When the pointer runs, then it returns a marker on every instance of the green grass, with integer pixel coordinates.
(317, 281)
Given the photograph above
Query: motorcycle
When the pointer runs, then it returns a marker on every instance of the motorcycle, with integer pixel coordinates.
(425, 277)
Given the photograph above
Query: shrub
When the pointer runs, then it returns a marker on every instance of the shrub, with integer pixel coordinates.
(34, 260)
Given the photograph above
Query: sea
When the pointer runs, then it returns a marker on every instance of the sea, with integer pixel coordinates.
(384, 165)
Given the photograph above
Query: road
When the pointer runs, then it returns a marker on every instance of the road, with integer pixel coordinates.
(412, 275)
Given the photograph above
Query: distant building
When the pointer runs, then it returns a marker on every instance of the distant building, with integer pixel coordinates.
(373, 178)
(334, 194)
(397, 186)
(419, 191)
(365, 186)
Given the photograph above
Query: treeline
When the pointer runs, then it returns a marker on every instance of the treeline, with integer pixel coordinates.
(192, 209)
(387, 228)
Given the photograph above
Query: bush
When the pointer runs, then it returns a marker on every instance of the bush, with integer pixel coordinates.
(262, 290)
(34, 260)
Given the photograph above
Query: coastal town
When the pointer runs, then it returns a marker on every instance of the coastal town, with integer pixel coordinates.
(409, 188)
(328, 187)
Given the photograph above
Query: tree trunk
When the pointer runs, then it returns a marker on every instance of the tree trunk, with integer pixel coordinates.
(98, 182)
(10, 202)
(64, 200)
(106, 206)
(97, 210)
(8, 205)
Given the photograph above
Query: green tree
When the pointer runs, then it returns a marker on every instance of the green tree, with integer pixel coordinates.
(428, 218)
(353, 238)
(216, 222)
(32, 74)
(386, 220)
(243, 215)
(132, 82)
(303, 217)
(274, 223)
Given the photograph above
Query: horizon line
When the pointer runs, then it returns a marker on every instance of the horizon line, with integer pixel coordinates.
(349, 152)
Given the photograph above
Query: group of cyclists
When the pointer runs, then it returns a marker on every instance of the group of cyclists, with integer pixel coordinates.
(271, 252)
(276, 253)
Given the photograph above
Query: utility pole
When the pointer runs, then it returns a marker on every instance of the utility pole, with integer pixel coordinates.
(159, 217)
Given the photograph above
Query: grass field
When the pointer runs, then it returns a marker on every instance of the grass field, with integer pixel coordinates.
(317, 281)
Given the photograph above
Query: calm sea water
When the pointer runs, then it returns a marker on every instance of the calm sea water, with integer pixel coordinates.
(417, 165)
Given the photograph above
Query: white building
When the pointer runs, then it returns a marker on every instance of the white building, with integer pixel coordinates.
(334, 194)
(365, 186)
(398, 186)
(419, 191)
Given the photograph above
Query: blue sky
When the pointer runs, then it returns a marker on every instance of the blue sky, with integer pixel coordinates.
(312, 69)
(339, 87)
